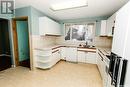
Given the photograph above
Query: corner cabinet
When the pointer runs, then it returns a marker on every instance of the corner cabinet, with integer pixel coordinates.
(46, 58)
(48, 26)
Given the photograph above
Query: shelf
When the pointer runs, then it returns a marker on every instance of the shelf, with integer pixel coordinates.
(43, 55)
(43, 61)
(42, 66)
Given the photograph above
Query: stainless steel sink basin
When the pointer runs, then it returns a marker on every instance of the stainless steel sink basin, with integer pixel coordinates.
(88, 46)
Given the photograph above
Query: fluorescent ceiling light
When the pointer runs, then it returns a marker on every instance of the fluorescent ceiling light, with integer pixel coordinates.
(69, 5)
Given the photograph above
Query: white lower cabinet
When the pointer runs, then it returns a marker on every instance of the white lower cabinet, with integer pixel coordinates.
(91, 57)
(109, 82)
(63, 53)
(101, 64)
(103, 69)
(71, 54)
(81, 56)
(86, 57)
(105, 75)
(46, 58)
(98, 62)
(55, 57)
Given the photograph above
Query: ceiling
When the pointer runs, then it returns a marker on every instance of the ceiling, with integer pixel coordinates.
(96, 8)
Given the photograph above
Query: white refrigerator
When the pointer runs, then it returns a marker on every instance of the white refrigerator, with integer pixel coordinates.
(121, 38)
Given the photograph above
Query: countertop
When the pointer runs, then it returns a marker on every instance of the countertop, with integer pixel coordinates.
(105, 50)
(57, 46)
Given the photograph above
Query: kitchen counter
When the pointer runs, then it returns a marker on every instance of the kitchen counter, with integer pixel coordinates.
(87, 49)
(104, 50)
(52, 47)
(49, 47)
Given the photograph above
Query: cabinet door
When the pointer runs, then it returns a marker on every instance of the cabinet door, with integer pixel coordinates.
(42, 22)
(48, 26)
(56, 56)
(109, 82)
(111, 25)
(98, 60)
(103, 28)
(63, 53)
(91, 57)
(81, 56)
(104, 74)
(100, 65)
(71, 54)
(57, 29)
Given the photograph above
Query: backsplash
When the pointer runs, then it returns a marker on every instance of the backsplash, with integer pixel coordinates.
(103, 41)
(97, 41)
(42, 41)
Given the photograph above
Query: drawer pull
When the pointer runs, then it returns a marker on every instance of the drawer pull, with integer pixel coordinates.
(55, 51)
(100, 56)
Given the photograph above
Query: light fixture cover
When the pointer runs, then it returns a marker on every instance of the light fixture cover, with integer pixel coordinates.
(68, 5)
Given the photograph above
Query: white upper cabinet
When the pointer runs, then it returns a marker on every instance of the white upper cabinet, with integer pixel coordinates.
(111, 25)
(103, 31)
(49, 27)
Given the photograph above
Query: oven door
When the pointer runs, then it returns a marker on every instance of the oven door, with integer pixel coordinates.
(116, 71)
(114, 68)
(111, 64)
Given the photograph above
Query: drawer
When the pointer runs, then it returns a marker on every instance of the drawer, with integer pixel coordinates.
(87, 50)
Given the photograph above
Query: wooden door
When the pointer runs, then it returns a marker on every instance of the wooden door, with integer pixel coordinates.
(15, 38)
(15, 42)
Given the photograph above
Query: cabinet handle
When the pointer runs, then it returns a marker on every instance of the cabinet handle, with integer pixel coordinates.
(101, 52)
(100, 56)
(55, 51)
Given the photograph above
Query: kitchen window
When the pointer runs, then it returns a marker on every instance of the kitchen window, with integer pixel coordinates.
(79, 32)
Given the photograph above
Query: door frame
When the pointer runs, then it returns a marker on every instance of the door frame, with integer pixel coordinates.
(15, 39)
